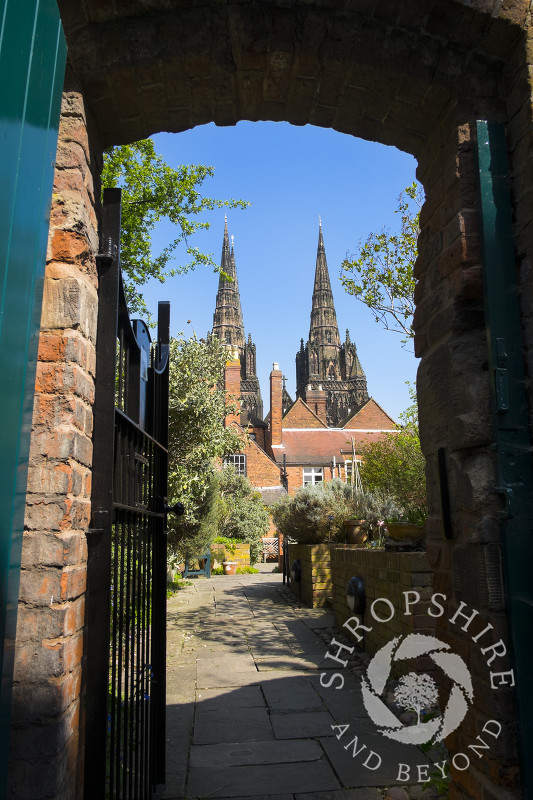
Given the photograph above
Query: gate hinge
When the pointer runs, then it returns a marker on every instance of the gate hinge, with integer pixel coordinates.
(100, 522)
(108, 252)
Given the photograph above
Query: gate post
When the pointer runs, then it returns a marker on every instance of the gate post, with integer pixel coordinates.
(99, 538)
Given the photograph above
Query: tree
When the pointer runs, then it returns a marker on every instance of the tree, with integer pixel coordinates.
(152, 191)
(197, 438)
(416, 692)
(242, 514)
(381, 274)
(395, 467)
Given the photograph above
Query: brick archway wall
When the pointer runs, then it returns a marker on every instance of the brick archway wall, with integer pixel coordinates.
(416, 75)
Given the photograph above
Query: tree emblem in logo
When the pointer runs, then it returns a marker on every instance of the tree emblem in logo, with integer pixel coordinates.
(417, 691)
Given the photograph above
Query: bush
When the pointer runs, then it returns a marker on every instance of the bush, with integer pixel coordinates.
(395, 467)
(242, 516)
(316, 514)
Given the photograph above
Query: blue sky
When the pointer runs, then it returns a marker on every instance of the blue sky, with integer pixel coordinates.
(291, 175)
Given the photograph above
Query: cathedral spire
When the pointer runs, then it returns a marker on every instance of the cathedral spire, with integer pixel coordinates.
(227, 320)
(324, 364)
(228, 327)
(323, 329)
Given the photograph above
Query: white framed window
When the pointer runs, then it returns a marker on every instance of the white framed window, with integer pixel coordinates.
(237, 461)
(313, 475)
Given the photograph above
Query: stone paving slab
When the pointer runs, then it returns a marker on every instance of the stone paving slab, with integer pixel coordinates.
(246, 697)
(352, 770)
(235, 679)
(179, 726)
(296, 694)
(302, 724)
(281, 779)
(291, 661)
(211, 670)
(232, 755)
(342, 794)
(236, 724)
(345, 704)
(283, 796)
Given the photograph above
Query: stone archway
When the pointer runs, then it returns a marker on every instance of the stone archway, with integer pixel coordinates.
(415, 75)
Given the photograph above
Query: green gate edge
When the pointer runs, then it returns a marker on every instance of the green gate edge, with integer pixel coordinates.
(510, 417)
(32, 48)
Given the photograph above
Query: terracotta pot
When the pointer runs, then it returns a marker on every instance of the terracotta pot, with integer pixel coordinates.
(405, 530)
(229, 567)
(355, 532)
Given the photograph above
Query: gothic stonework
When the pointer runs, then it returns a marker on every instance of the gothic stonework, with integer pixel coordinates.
(228, 326)
(324, 364)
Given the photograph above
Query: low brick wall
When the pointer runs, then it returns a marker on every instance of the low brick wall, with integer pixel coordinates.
(241, 554)
(316, 587)
(386, 575)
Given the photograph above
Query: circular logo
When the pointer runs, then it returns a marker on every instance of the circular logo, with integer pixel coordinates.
(417, 691)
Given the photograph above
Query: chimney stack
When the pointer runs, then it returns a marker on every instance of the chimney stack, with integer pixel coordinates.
(316, 400)
(232, 385)
(276, 404)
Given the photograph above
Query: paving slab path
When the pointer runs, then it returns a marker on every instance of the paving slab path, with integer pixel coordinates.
(247, 716)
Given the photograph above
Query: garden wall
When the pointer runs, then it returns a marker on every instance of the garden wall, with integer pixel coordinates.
(386, 575)
(315, 588)
(241, 554)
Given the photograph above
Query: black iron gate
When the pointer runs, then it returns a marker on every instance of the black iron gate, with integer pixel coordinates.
(126, 581)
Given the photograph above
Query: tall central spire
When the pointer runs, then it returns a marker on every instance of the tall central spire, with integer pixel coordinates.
(323, 328)
(324, 364)
(227, 320)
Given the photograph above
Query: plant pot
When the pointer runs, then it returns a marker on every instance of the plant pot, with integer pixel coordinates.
(355, 531)
(229, 567)
(405, 530)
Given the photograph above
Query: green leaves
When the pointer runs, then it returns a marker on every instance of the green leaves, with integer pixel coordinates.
(197, 436)
(242, 514)
(381, 274)
(153, 191)
(395, 467)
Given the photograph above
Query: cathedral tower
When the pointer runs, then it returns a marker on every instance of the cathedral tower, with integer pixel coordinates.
(324, 363)
(228, 326)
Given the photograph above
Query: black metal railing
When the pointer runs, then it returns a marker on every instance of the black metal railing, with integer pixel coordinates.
(126, 582)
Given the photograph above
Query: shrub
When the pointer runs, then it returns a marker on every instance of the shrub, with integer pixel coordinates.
(315, 514)
(395, 467)
(242, 515)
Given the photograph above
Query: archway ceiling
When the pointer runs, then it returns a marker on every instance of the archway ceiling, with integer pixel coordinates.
(385, 71)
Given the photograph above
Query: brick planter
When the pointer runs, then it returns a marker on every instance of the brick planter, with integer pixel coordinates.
(316, 587)
(387, 575)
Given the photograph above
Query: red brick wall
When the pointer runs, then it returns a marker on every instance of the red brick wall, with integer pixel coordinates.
(316, 400)
(46, 743)
(295, 476)
(261, 470)
(299, 416)
(370, 416)
(260, 437)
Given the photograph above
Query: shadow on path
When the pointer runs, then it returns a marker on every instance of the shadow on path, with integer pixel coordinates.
(247, 714)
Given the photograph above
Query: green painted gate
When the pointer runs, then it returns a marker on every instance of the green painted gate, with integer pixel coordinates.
(32, 66)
